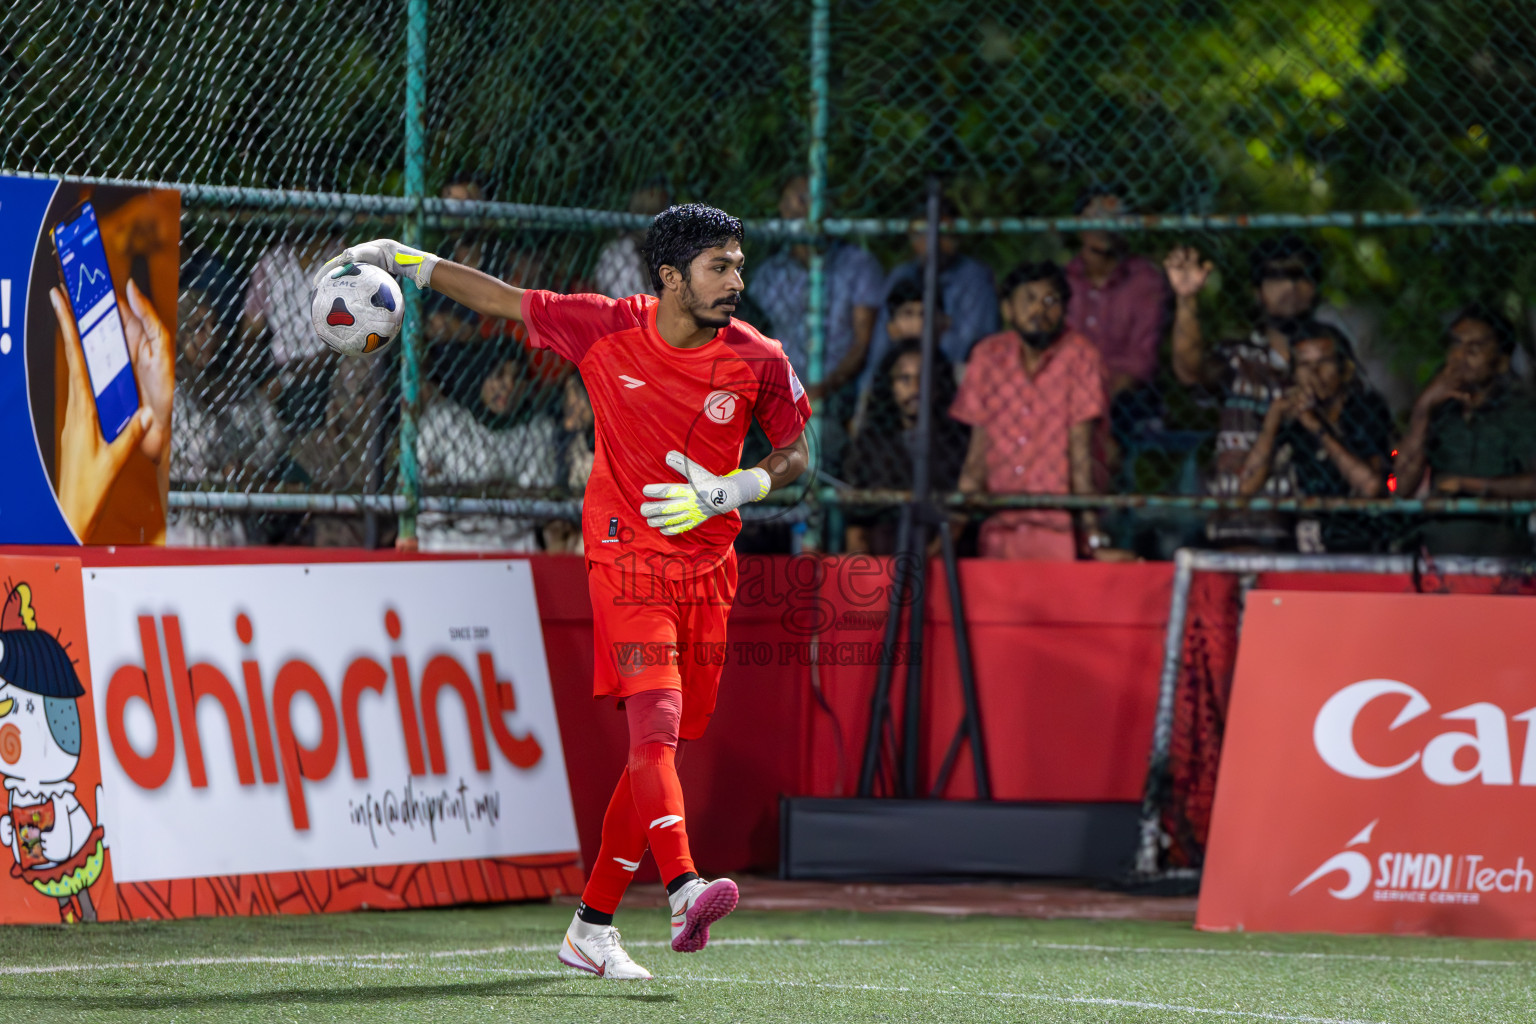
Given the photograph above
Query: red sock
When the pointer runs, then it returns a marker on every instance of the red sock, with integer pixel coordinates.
(659, 804)
(619, 855)
(658, 795)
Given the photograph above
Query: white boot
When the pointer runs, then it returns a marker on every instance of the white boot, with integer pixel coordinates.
(596, 949)
(695, 907)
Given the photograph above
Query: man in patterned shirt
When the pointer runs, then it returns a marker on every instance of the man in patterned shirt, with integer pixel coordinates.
(1032, 396)
(1244, 375)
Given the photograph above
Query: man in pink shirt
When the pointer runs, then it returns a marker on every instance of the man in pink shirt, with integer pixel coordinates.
(1032, 396)
(1119, 300)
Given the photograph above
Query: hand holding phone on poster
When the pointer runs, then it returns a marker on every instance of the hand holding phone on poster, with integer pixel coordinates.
(154, 364)
(88, 463)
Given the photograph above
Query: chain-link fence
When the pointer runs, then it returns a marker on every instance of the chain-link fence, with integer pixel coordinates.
(1378, 156)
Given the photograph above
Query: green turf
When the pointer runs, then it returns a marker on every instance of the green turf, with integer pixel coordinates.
(497, 964)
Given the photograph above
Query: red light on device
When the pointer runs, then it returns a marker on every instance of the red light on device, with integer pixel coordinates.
(1392, 483)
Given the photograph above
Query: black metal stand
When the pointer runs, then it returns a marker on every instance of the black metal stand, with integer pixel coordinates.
(918, 517)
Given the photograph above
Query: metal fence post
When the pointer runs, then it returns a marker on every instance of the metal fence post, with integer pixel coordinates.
(1155, 791)
(415, 192)
(815, 307)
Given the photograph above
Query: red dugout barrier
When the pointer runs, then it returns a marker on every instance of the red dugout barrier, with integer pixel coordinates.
(1066, 663)
(1066, 655)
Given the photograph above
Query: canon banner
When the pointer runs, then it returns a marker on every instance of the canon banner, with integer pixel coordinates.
(268, 718)
(1378, 768)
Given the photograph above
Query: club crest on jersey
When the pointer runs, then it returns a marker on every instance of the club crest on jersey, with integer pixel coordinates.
(720, 406)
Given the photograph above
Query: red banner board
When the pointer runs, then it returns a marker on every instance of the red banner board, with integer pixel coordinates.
(1379, 768)
(128, 795)
(54, 865)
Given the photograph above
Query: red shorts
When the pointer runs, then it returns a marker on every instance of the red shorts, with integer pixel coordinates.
(649, 632)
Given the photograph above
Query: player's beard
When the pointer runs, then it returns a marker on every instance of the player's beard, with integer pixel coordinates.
(712, 315)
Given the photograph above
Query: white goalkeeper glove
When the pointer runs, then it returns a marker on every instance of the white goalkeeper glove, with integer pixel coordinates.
(683, 506)
(387, 254)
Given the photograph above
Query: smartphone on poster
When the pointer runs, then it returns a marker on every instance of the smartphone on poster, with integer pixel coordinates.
(93, 299)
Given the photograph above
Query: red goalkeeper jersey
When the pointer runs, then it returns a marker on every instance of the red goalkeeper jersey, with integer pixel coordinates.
(650, 398)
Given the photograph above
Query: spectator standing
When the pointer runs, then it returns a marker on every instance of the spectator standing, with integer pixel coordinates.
(854, 286)
(1474, 431)
(968, 288)
(1244, 375)
(1031, 396)
(1119, 300)
(880, 458)
(621, 270)
(1331, 435)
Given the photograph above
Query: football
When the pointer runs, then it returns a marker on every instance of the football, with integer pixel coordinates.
(357, 309)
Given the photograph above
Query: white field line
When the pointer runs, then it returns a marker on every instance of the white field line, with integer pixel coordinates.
(403, 961)
(320, 959)
(314, 959)
(1036, 997)
(1376, 958)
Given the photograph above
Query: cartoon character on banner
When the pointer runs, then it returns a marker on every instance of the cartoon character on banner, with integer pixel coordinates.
(59, 851)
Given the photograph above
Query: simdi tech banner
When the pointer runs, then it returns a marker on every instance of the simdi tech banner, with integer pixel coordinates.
(1378, 769)
(265, 719)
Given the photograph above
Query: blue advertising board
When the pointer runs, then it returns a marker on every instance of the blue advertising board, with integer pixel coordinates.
(85, 403)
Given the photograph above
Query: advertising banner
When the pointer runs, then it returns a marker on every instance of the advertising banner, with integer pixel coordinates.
(1378, 768)
(276, 739)
(88, 292)
(56, 866)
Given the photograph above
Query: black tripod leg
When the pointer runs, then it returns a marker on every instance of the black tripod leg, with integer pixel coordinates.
(912, 721)
(970, 721)
(879, 701)
(942, 779)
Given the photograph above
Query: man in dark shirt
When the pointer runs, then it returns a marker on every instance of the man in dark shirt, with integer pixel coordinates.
(881, 455)
(1330, 435)
(1475, 432)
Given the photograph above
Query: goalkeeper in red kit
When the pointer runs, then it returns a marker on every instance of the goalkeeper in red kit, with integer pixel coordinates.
(674, 383)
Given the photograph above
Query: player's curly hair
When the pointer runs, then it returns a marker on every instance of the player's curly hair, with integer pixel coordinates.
(680, 233)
